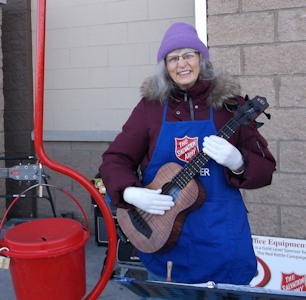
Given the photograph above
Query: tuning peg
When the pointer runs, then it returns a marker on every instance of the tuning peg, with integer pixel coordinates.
(267, 115)
(259, 124)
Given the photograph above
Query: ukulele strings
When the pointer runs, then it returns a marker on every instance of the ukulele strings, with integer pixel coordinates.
(192, 168)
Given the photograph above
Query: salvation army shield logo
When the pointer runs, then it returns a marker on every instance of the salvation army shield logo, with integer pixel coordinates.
(293, 282)
(263, 274)
(186, 148)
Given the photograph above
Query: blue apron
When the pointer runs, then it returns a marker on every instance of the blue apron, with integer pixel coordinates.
(215, 242)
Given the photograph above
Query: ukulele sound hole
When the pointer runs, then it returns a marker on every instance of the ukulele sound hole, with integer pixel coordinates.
(171, 189)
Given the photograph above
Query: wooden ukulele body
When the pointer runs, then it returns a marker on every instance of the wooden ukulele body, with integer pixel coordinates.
(156, 233)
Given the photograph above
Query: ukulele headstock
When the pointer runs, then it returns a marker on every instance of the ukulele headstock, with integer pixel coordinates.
(251, 110)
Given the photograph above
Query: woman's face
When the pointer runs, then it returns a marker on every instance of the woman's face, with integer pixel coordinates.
(183, 66)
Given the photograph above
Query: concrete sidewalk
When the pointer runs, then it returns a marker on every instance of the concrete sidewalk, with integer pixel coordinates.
(95, 256)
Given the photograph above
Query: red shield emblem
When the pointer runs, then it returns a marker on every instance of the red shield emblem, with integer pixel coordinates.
(293, 282)
(263, 274)
(186, 148)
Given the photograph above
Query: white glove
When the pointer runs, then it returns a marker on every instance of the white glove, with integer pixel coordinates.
(151, 201)
(223, 152)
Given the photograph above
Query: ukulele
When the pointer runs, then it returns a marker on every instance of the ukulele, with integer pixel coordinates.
(152, 233)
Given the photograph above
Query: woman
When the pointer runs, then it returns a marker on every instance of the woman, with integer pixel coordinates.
(184, 105)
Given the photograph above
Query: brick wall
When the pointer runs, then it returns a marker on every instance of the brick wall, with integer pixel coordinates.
(2, 164)
(264, 44)
(18, 95)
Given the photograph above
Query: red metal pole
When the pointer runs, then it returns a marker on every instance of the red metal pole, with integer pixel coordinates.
(45, 160)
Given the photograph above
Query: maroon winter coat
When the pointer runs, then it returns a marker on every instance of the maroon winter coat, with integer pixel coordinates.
(134, 146)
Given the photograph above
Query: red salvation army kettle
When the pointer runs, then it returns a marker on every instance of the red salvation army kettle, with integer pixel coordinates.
(47, 259)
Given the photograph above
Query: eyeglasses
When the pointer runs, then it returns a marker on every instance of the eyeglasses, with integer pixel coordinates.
(174, 59)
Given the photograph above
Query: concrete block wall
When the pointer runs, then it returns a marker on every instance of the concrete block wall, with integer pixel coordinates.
(83, 157)
(97, 55)
(263, 43)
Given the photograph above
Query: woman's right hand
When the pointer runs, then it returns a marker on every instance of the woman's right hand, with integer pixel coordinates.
(151, 201)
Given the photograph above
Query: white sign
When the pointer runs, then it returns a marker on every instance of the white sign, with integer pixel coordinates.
(281, 263)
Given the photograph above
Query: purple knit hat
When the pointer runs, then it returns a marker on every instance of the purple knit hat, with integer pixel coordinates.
(178, 36)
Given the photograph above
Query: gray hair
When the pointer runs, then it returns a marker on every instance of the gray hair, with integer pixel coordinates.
(160, 85)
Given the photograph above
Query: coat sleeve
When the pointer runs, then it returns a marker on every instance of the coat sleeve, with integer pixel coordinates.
(121, 160)
(259, 162)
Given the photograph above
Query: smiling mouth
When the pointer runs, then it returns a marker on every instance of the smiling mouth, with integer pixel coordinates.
(184, 72)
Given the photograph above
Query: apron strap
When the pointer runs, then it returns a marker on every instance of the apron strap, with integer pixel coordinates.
(165, 111)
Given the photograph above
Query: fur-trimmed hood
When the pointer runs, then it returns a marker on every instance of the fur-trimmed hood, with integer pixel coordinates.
(224, 87)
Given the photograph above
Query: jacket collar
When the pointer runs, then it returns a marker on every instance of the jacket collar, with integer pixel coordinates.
(215, 93)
